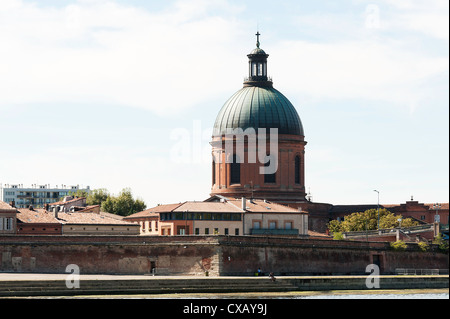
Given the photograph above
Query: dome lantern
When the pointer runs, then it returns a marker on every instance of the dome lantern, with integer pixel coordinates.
(257, 67)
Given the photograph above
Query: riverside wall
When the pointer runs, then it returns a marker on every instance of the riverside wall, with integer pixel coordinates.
(212, 255)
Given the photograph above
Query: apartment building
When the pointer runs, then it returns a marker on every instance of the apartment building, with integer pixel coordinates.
(36, 195)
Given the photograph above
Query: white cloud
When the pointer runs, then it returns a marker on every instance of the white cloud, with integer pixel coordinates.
(93, 51)
(425, 16)
(352, 70)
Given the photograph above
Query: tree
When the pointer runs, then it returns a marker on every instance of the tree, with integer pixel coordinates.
(108, 205)
(124, 204)
(97, 196)
(368, 220)
(441, 242)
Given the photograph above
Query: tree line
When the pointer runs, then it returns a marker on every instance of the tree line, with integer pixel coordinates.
(368, 220)
(124, 204)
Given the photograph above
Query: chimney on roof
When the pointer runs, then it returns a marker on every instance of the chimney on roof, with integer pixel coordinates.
(12, 204)
(244, 203)
(55, 211)
(67, 198)
(31, 207)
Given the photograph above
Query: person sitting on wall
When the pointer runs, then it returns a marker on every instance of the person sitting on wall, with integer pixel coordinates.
(272, 276)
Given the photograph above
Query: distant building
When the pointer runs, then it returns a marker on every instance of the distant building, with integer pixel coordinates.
(68, 204)
(81, 221)
(222, 216)
(31, 221)
(7, 219)
(36, 195)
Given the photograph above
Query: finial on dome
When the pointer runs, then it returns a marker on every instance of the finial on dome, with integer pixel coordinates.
(257, 39)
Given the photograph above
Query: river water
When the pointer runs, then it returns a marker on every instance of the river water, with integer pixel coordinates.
(385, 294)
(379, 296)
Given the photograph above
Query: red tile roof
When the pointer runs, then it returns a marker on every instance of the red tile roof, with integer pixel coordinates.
(43, 216)
(444, 206)
(89, 218)
(261, 206)
(154, 211)
(67, 202)
(227, 206)
(218, 207)
(5, 206)
(36, 216)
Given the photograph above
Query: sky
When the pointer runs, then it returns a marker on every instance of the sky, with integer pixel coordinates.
(114, 94)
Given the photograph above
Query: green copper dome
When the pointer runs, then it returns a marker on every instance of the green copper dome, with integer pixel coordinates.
(258, 107)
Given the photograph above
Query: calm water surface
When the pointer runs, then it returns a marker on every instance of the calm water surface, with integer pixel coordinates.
(379, 296)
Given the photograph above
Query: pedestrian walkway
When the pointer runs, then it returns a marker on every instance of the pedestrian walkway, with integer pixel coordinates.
(15, 284)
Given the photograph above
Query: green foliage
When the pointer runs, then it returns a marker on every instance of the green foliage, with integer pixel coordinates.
(338, 236)
(97, 196)
(368, 220)
(399, 245)
(124, 204)
(441, 242)
(423, 246)
(334, 226)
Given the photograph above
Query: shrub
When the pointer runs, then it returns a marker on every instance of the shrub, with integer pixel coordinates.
(441, 242)
(399, 245)
(338, 236)
(423, 246)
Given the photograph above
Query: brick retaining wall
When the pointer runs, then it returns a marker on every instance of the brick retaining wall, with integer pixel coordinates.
(217, 255)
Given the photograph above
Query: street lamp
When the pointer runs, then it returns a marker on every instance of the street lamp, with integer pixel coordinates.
(378, 207)
(436, 207)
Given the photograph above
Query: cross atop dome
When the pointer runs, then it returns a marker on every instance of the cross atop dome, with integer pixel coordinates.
(257, 38)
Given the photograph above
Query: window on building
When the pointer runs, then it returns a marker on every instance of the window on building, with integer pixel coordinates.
(272, 225)
(9, 224)
(288, 225)
(260, 69)
(256, 225)
(269, 178)
(235, 170)
(297, 170)
(236, 217)
(216, 231)
(236, 231)
(206, 231)
(197, 231)
(226, 231)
